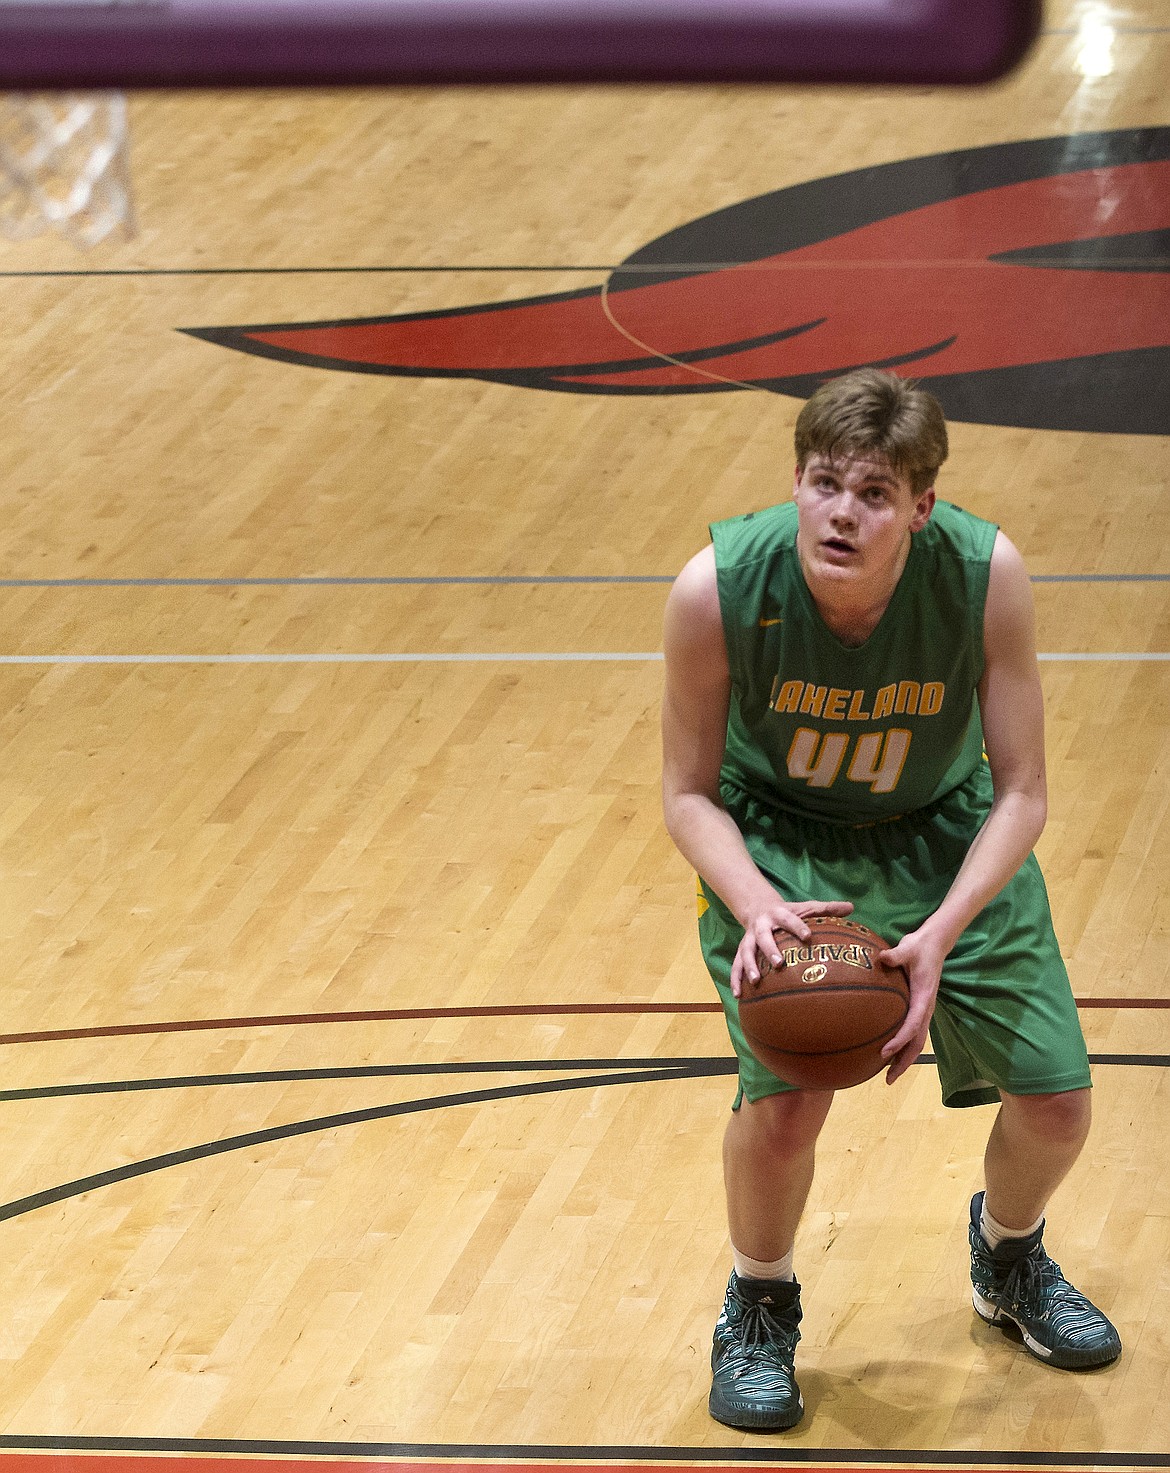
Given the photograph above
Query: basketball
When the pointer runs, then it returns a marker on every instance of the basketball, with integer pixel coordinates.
(819, 1019)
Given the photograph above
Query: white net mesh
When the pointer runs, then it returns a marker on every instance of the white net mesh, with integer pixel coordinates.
(64, 165)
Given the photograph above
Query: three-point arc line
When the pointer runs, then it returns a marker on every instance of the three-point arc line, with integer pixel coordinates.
(669, 1070)
(616, 1071)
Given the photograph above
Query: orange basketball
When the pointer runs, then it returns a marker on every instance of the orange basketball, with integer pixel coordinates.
(819, 1020)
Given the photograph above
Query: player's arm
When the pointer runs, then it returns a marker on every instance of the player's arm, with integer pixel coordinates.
(1011, 705)
(694, 730)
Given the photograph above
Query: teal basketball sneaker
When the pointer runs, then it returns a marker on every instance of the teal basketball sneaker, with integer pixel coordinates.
(753, 1386)
(1019, 1282)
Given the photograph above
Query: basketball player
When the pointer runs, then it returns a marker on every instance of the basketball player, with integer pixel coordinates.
(853, 717)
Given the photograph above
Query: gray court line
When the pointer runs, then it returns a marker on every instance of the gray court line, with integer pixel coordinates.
(489, 579)
(1100, 578)
(626, 268)
(342, 582)
(443, 657)
(1118, 30)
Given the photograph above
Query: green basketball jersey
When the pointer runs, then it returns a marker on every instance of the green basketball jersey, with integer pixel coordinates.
(852, 735)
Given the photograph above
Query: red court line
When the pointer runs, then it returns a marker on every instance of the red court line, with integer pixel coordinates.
(383, 1015)
(380, 1015)
(1123, 1002)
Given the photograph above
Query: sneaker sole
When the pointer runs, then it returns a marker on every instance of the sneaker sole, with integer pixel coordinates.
(746, 1420)
(1073, 1361)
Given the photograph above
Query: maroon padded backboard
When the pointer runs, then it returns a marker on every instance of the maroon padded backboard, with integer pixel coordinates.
(55, 44)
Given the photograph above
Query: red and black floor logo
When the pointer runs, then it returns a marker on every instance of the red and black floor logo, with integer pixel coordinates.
(1024, 284)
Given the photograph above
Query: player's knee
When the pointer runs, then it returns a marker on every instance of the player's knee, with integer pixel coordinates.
(1059, 1119)
(788, 1124)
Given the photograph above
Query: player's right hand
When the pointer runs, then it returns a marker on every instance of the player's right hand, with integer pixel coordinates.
(758, 952)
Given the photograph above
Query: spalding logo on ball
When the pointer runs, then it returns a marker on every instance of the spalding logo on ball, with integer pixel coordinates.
(819, 1020)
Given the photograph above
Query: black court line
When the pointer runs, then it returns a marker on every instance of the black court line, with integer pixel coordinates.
(619, 1072)
(1149, 1061)
(724, 1064)
(112, 1177)
(463, 580)
(760, 1452)
(700, 1067)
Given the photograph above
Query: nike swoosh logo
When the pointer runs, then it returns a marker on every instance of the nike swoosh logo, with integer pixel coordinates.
(767, 623)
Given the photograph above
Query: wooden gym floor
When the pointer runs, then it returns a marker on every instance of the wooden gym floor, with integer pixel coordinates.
(363, 1091)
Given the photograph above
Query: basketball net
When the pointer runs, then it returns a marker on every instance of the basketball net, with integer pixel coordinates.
(64, 165)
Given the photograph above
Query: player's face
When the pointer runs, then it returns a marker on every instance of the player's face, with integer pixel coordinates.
(856, 517)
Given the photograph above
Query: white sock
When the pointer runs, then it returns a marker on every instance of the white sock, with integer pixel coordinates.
(754, 1268)
(994, 1232)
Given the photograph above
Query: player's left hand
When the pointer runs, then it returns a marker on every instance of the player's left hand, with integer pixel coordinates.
(922, 960)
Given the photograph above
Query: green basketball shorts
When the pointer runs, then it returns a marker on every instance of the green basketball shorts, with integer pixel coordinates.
(1005, 1016)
